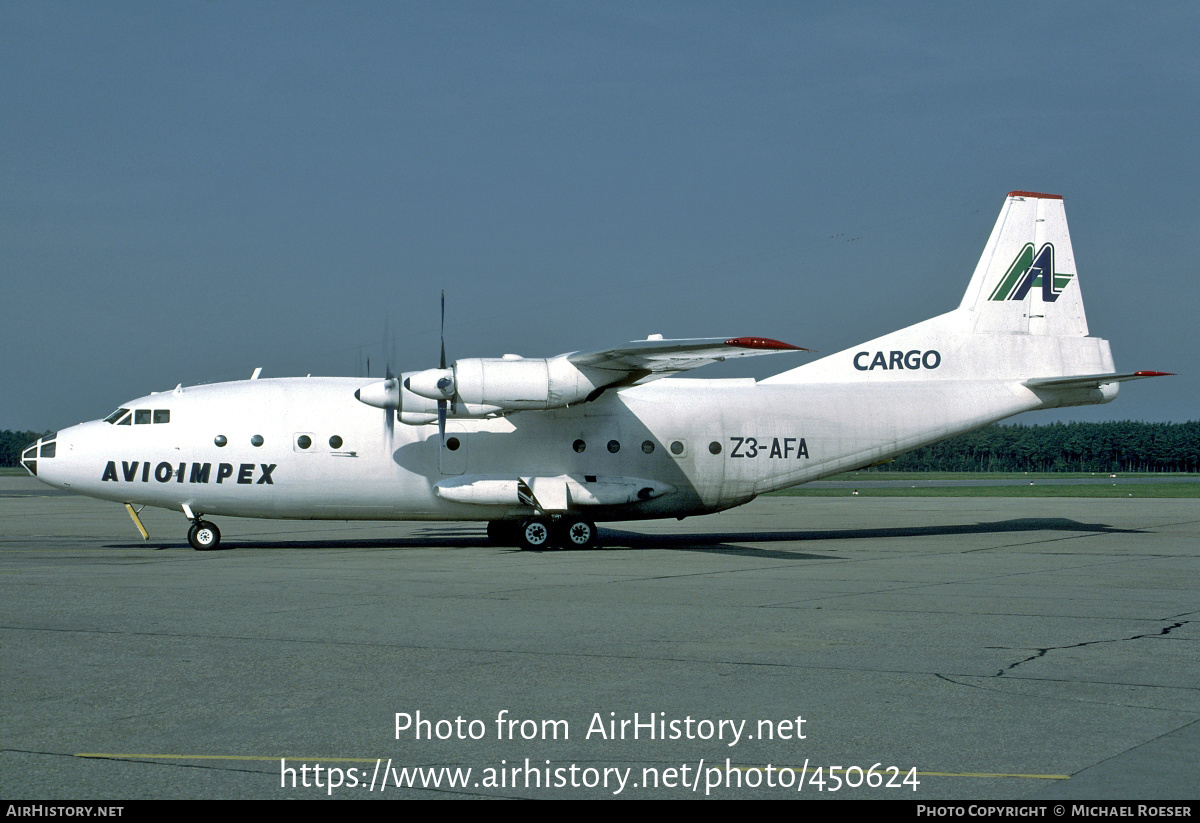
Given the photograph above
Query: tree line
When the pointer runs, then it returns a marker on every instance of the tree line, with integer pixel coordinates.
(1123, 446)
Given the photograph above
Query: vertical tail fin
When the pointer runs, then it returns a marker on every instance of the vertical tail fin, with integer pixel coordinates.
(1025, 282)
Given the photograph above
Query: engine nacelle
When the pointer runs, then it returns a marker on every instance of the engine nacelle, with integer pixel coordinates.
(412, 408)
(509, 383)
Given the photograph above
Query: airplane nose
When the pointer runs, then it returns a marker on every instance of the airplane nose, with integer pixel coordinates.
(29, 457)
(40, 454)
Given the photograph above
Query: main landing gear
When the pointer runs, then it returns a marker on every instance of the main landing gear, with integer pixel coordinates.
(203, 535)
(540, 533)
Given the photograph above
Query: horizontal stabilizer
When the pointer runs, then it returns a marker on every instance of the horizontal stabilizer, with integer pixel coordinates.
(1085, 381)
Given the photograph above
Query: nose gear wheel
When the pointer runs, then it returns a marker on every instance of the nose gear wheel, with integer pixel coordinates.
(204, 536)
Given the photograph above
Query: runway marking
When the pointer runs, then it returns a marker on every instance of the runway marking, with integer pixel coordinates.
(119, 756)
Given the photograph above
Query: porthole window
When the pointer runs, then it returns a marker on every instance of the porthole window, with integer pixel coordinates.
(579, 446)
(648, 446)
(614, 446)
(335, 442)
(677, 447)
(715, 447)
(304, 441)
(220, 440)
(452, 443)
(256, 440)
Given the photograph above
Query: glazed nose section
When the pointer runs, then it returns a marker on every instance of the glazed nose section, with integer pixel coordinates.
(41, 452)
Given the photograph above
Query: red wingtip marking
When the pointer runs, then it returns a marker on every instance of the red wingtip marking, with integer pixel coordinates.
(762, 343)
(1035, 194)
(1154, 373)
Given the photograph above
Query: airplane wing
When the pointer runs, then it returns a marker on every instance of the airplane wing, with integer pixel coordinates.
(1089, 381)
(482, 386)
(654, 357)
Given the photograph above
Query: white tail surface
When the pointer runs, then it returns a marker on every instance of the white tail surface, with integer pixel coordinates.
(1021, 317)
(1026, 281)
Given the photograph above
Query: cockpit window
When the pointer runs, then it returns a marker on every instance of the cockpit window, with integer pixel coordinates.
(115, 416)
(123, 417)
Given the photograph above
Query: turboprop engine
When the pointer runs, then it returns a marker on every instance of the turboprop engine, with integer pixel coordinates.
(414, 409)
(509, 383)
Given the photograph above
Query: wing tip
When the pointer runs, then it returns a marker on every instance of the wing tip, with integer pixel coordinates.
(1154, 374)
(765, 343)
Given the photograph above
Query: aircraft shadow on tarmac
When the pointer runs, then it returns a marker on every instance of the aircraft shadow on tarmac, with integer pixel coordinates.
(464, 536)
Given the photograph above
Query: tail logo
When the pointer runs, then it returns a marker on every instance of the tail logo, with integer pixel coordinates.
(1028, 271)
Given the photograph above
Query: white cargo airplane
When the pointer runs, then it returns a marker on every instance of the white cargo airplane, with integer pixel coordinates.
(544, 448)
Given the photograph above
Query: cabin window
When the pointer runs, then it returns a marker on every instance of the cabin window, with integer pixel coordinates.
(115, 416)
(256, 440)
(453, 443)
(335, 442)
(648, 446)
(162, 415)
(220, 440)
(677, 447)
(143, 416)
(614, 446)
(304, 441)
(47, 449)
(715, 447)
(579, 446)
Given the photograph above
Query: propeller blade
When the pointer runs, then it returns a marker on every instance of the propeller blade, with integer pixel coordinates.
(442, 365)
(442, 360)
(387, 371)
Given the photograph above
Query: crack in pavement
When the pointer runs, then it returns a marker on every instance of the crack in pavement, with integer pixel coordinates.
(1043, 652)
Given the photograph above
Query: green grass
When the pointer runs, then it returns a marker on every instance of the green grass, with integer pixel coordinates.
(886, 475)
(13, 471)
(1124, 491)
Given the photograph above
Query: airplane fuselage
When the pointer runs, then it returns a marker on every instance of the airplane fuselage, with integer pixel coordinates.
(560, 443)
(323, 455)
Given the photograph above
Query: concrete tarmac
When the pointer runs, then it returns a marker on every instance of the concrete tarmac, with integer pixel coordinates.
(982, 648)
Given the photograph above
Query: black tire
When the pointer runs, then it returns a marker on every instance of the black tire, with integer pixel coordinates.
(578, 533)
(503, 532)
(534, 535)
(204, 536)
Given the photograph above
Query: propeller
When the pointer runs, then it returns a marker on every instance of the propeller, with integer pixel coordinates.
(390, 384)
(445, 382)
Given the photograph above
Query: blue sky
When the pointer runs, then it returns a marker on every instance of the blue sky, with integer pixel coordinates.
(191, 190)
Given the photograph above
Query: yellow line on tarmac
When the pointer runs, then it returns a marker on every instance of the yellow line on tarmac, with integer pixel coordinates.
(796, 769)
(123, 756)
(1001, 774)
(844, 769)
